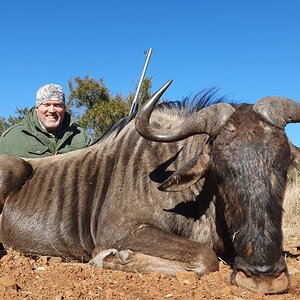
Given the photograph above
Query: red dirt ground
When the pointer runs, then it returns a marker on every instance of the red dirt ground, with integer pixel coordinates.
(50, 278)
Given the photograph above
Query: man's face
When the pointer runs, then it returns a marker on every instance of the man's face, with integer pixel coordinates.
(51, 114)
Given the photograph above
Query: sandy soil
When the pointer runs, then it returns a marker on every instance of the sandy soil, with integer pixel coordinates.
(49, 278)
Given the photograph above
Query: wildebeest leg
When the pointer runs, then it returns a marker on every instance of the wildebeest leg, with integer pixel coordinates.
(14, 172)
(148, 249)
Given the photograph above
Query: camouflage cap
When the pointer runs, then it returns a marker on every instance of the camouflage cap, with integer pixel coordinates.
(49, 92)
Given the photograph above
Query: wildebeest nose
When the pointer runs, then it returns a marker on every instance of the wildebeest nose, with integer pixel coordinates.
(262, 270)
(266, 270)
(273, 269)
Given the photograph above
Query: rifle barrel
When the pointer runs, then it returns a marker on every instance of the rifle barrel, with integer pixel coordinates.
(134, 105)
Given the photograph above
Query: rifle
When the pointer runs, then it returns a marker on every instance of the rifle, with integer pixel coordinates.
(134, 106)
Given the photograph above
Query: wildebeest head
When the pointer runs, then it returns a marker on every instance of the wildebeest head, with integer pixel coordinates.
(248, 155)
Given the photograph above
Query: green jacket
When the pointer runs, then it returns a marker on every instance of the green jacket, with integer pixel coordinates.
(27, 139)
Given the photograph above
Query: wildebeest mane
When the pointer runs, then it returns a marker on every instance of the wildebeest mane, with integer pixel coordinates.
(115, 128)
(187, 106)
(191, 104)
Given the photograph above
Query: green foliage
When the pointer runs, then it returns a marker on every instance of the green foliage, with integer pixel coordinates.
(12, 120)
(87, 92)
(20, 114)
(95, 108)
(144, 94)
(3, 125)
(103, 115)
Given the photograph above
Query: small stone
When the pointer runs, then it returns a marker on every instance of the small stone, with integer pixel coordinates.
(7, 282)
(55, 260)
(42, 260)
(108, 294)
(39, 268)
(186, 277)
(155, 275)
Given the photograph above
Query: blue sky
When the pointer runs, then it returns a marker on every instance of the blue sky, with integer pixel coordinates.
(248, 49)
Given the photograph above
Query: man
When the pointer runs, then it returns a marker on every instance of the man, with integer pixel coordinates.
(48, 129)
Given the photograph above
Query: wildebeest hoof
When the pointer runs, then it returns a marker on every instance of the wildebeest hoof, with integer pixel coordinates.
(124, 254)
(97, 261)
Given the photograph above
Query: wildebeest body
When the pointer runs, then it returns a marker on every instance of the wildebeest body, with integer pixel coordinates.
(97, 196)
(138, 204)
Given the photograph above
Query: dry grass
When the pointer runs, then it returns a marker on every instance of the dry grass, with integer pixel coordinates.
(291, 217)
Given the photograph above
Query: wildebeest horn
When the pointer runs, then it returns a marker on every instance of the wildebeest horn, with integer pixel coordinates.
(278, 111)
(208, 120)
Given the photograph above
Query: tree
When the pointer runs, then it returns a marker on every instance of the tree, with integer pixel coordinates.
(20, 114)
(3, 125)
(95, 108)
(87, 92)
(12, 120)
(144, 94)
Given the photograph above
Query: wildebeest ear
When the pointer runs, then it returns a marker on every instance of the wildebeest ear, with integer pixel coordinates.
(295, 152)
(188, 174)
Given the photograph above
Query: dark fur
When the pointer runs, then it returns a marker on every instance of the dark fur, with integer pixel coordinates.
(250, 166)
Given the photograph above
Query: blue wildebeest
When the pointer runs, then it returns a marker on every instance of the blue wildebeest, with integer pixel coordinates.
(173, 197)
